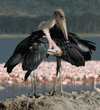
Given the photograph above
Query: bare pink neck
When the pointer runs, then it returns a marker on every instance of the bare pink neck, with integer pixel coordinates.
(52, 23)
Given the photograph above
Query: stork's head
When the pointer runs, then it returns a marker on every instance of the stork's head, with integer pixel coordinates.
(58, 14)
(59, 17)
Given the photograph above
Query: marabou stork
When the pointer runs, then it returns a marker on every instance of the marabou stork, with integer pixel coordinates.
(33, 49)
(72, 48)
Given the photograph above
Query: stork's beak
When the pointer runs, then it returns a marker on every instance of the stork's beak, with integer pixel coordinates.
(62, 24)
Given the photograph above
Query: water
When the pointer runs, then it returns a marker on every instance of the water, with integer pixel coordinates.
(7, 47)
(16, 90)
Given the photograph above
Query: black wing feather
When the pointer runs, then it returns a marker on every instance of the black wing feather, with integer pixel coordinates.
(37, 52)
(13, 61)
(76, 51)
(75, 39)
(72, 54)
(31, 51)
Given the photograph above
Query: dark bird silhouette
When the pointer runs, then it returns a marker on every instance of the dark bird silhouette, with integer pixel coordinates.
(32, 50)
(74, 49)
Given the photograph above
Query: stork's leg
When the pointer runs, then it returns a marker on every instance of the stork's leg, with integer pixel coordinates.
(58, 69)
(34, 74)
(31, 75)
(33, 91)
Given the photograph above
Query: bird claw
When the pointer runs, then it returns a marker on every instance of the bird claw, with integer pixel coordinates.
(61, 93)
(32, 94)
(37, 96)
(54, 93)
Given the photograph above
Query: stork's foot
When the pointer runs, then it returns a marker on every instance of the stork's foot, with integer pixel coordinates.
(61, 93)
(54, 93)
(36, 96)
(32, 94)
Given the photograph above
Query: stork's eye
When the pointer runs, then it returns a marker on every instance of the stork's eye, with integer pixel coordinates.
(61, 16)
(55, 13)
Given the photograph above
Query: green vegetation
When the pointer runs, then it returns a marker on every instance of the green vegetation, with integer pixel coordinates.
(46, 7)
(26, 35)
(87, 23)
(24, 16)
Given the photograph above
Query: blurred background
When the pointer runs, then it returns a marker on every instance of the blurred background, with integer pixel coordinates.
(19, 18)
(23, 16)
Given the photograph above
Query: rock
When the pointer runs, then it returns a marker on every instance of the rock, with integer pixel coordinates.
(68, 101)
(93, 93)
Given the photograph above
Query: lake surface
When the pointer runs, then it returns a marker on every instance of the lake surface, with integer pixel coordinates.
(7, 47)
(16, 90)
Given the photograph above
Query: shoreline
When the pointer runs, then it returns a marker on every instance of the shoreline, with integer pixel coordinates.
(14, 36)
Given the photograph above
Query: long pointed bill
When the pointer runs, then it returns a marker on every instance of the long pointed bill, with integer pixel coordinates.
(62, 24)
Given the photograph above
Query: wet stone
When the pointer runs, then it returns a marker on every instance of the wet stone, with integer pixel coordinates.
(82, 92)
(33, 104)
(80, 96)
(93, 93)
(73, 92)
(45, 94)
(68, 95)
(87, 93)
(41, 97)
(24, 103)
